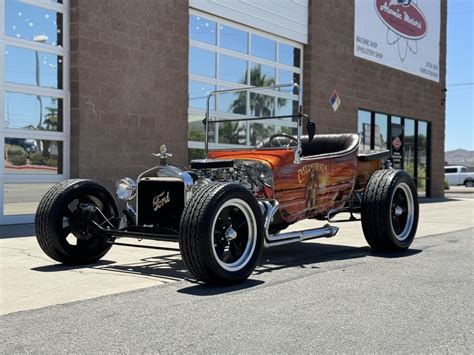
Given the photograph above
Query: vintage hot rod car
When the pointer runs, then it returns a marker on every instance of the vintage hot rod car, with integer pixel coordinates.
(224, 209)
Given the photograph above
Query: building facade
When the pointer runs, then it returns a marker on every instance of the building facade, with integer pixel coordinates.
(91, 88)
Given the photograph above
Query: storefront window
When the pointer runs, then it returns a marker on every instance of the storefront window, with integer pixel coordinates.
(35, 96)
(263, 47)
(32, 23)
(232, 58)
(202, 29)
(409, 146)
(380, 132)
(422, 152)
(233, 39)
(202, 62)
(364, 129)
(34, 112)
(289, 55)
(232, 69)
(29, 67)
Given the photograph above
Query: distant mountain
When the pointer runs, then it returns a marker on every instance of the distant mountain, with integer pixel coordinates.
(459, 157)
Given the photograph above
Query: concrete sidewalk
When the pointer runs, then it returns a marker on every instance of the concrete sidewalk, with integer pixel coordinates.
(29, 279)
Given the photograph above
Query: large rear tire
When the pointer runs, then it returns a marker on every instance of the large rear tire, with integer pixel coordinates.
(61, 228)
(221, 234)
(390, 210)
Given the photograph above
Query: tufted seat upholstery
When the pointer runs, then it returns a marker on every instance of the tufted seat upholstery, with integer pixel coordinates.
(324, 144)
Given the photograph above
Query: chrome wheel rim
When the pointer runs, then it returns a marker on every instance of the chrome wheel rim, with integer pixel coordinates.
(234, 235)
(402, 211)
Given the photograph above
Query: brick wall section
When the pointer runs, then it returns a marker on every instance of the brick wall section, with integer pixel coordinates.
(129, 77)
(329, 63)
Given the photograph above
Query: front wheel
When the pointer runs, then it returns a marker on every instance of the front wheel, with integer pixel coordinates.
(64, 217)
(221, 234)
(469, 183)
(390, 210)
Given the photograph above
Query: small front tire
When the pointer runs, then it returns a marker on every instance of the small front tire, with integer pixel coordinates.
(221, 234)
(390, 210)
(61, 228)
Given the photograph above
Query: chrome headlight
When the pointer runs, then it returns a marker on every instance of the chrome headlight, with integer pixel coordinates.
(126, 189)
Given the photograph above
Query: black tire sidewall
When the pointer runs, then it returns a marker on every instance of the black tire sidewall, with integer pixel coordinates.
(224, 193)
(377, 210)
(403, 177)
(48, 221)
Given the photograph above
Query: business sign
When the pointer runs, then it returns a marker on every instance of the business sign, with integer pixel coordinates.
(401, 34)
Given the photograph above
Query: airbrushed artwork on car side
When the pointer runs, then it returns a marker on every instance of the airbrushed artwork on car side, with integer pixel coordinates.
(224, 209)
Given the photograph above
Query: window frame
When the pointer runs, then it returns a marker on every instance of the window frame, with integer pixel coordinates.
(5, 132)
(226, 84)
(415, 144)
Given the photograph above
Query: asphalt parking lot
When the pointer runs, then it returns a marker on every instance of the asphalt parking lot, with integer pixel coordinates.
(301, 297)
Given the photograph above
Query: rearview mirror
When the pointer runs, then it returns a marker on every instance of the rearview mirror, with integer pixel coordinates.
(311, 128)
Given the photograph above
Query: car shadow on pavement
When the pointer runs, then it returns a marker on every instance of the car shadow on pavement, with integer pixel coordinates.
(199, 289)
(62, 267)
(170, 267)
(309, 255)
(426, 200)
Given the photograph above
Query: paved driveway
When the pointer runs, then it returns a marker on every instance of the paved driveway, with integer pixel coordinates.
(29, 279)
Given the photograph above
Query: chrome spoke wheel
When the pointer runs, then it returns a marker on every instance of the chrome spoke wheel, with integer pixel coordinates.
(234, 235)
(402, 211)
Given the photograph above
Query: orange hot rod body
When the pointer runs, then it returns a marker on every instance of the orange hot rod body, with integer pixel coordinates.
(315, 186)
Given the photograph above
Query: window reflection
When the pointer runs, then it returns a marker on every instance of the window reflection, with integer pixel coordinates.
(202, 29)
(287, 107)
(263, 47)
(33, 23)
(202, 62)
(23, 198)
(422, 144)
(194, 153)
(232, 102)
(262, 75)
(260, 131)
(198, 93)
(196, 129)
(25, 66)
(409, 146)
(289, 55)
(32, 156)
(233, 69)
(33, 112)
(233, 39)
(261, 105)
(380, 132)
(232, 132)
(288, 77)
(364, 129)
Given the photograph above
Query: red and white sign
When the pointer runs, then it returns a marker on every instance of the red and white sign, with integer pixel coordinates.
(402, 34)
(397, 143)
(404, 18)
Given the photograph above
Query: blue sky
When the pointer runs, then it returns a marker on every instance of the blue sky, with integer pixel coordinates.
(460, 70)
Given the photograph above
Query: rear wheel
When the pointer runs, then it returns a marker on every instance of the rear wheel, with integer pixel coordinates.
(63, 221)
(390, 210)
(221, 234)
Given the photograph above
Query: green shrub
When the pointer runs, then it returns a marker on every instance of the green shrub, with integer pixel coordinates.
(37, 159)
(16, 155)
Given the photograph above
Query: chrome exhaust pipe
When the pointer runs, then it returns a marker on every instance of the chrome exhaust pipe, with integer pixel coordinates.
(326, 231)
(269, 208)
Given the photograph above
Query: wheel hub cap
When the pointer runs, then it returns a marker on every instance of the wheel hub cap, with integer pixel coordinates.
(230, 234)
(398, 211)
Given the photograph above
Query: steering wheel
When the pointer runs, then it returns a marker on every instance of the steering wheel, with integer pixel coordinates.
(276, 142)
